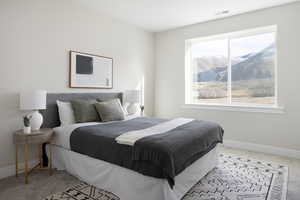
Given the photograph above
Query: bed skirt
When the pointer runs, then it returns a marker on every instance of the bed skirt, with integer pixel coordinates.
(128, 184)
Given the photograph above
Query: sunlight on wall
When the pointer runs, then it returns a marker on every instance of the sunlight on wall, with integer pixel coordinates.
(141, 87)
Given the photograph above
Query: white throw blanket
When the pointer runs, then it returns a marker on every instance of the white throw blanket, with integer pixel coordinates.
(131, 137)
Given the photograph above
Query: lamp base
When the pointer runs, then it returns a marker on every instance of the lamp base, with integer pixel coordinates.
(36, 120)
(132, 108)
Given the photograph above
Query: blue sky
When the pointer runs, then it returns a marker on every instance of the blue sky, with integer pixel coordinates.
(239, 47)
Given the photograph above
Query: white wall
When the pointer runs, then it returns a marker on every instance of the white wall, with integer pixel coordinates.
(281, 130)
(35, 37)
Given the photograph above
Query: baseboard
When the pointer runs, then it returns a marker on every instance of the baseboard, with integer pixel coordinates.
(10, 170)
(263, 148)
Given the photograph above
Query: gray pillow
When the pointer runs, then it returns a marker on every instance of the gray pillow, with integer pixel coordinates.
(110, 110)
(85, 111)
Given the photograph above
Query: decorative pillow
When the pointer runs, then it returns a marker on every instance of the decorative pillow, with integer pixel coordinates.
(85, 111)
(66, 113)
(123, 106)
(110, 110)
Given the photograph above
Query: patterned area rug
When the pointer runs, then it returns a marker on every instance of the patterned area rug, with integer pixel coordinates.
(238, 178)
(235, 178)
(83, 191)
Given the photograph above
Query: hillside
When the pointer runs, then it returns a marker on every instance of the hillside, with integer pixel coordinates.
(247, 67)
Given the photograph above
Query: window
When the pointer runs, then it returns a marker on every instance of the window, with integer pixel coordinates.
(235, 69)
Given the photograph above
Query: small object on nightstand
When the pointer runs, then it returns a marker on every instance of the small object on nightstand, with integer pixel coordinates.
(142, 110)
(27, 127)
(36, 137)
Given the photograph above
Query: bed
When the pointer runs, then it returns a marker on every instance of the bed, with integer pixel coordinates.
(161, 166)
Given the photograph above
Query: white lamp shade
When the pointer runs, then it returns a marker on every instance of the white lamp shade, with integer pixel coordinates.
(132, 96)
(33, 100)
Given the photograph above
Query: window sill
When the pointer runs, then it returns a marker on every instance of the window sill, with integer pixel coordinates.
(236, 108)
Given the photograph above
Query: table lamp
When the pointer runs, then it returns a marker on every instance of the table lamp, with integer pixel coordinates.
(132, 99)
(34, 101)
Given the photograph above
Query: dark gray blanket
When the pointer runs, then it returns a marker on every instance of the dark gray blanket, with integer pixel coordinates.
(162, 156)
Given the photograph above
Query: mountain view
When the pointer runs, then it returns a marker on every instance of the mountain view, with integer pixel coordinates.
(252, 76)
(251, 66)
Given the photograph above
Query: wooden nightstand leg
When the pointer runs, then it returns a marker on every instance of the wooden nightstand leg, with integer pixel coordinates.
(26, 162)
(42, 158)
(17, 161)
(50, 159)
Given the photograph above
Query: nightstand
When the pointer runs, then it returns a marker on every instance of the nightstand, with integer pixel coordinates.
(35, 137)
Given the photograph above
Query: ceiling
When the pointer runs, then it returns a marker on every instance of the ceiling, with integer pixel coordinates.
(161, 15)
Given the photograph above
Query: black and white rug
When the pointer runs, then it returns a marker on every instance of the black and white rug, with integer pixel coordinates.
(238, 178)
(235, 178)
(83, 191)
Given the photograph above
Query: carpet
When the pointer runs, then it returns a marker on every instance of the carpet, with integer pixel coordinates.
(235, 178)
(83, 191)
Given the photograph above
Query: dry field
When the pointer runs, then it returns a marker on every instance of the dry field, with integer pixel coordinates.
(243, 92)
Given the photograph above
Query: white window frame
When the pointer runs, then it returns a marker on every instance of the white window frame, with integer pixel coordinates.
(274, 108)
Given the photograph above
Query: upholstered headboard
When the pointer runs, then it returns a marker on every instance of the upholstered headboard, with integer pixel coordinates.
(51, 117)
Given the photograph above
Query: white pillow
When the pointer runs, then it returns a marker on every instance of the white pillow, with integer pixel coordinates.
(66, 113)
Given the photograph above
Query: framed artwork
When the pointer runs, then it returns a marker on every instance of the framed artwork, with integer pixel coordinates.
(90, 71)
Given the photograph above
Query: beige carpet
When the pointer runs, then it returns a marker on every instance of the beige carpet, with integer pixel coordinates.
(42, 185)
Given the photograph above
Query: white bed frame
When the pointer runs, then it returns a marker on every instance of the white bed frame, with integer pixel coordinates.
(128, 184)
